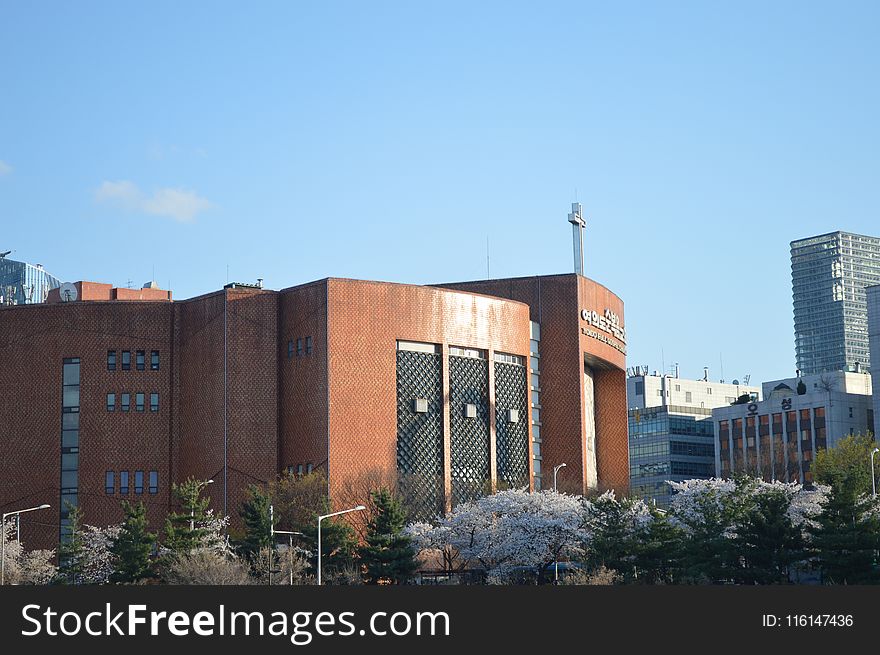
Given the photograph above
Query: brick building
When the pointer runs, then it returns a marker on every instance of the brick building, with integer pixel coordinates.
(452, 390)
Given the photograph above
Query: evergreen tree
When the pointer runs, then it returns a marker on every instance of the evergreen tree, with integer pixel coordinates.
(658, 550)
(338, 545)
(71, 552)
(133, 546)
(613, 541)
(767, 543)
(846, 538)
(387, 556)
(183, 531)
(255, 515)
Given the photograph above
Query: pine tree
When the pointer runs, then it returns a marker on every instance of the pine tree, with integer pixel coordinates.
(133, 546)
(658, 550)
(71, 552)
(388, 556)
(767, 543)
(255, 514)
(846, 539)
(183, 531)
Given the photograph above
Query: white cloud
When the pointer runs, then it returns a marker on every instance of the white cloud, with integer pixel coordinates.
(179, 204)
(5, 169)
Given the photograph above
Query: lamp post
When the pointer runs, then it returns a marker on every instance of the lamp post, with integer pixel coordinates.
(555, 472)
(359, 508)
(3, 537)
(192, 506)
(290, 534)
(873, 482)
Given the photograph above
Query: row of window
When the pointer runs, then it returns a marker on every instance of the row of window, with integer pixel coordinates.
(125, 402)
(303, 347)
(299, 469)
(110, 482)
(140, 360)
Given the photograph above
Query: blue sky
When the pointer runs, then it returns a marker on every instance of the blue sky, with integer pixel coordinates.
(295, 141)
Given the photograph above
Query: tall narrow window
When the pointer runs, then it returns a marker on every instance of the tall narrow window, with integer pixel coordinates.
(139, 482)
(308, 345)
(111, 360)
(126, 360)
(140, 360)
(109, 484)
(125, 402)
(154, 482)
(154, 402)
(299, 347)
(139, 402)
(154, 360)
(290, 349)
(111, 402)
(123, 482)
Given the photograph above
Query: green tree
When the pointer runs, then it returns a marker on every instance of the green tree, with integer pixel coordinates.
(71, 552)
(182, 529)
(846, 466)
(299, 499)
(387, 556)
(766, 542)
(257, 524)
(614, 536)
(658, 550)
(132, 547)
(846, 539)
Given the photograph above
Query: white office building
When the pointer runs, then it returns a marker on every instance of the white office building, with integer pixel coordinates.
(776, 438)
(873, 294)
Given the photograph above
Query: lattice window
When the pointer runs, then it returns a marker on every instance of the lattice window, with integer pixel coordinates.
(469, 438)
(511, 439)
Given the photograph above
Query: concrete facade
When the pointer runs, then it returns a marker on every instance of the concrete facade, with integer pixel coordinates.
(777, 438)
(873, 297)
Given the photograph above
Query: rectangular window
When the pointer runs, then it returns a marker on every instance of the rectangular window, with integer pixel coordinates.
(299, 469)
(126, 360)
(125, 402)
(299, 347)
(688, 397)
(111, 402)
(111, 360)
(140, 361)
(139, 402)
(154, 402)
(123, 482)
(640, 387)
(154, 482)
(290, 349)
(154, 360)
(308, 468)
(139, 482)
(308, 345)
(109, 484)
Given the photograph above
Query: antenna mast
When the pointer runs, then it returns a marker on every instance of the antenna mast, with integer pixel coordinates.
(578, 225)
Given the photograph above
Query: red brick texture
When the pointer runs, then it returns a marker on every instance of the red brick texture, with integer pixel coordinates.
(555, 302)
(238, 407)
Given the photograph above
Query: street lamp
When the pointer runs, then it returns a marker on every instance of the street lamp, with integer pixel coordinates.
(873, 482)
(192, 506)
(555, 471)
(359, 508)
(290, 534)
(3, 537)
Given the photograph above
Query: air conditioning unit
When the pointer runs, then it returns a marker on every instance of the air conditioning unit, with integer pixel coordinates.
(420, 405)
(470, 410)
(513, 416)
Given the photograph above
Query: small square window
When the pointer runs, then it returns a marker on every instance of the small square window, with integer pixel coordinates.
(513, 416)
(470, 410)
(420, 405)
(139, 402)
(140, 360)
(111, 360)
(154, 402)
(126, 360)
(125, 402)
(154, 360)
(111, 402)
(139, 482)
(109, 483)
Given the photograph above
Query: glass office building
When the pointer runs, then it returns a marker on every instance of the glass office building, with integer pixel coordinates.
(24, 284)
(665, 446)
(829, 274)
